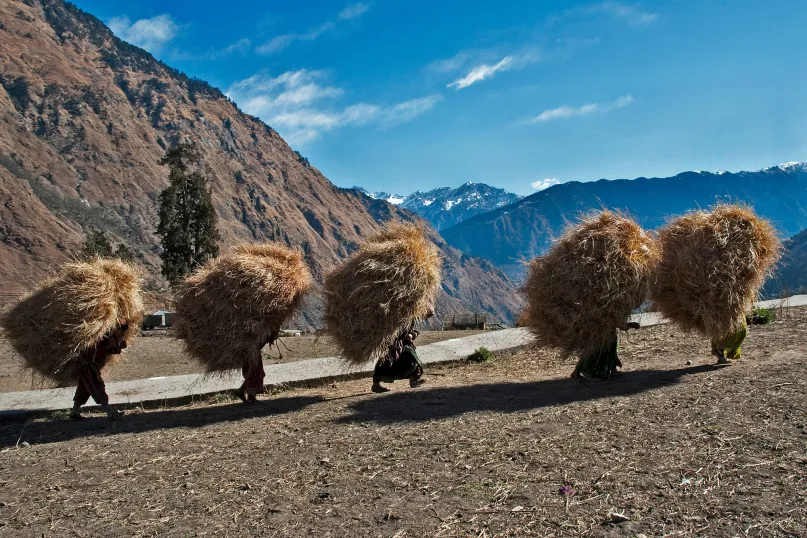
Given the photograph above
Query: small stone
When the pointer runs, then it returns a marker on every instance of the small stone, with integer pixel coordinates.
(325, 461)
(689, 363)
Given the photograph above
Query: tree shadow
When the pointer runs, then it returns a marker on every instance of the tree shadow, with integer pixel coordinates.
(446, 402)
(56, 430)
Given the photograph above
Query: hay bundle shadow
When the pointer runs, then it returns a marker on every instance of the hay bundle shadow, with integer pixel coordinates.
(70, 313)
(389, 283)
(588, 283)
(227, 308)
(712, 266)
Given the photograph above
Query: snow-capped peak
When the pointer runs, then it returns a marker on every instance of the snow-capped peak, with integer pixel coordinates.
(394, 199)
(788, 167)
(792, 166)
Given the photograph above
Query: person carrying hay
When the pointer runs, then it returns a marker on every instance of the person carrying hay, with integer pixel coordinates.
(400, 362)
(585, 288)
(391, 282)
(230, 308)
(76, 324)
(604, 362)
(254, 373)
(712, 266)
(90, 364)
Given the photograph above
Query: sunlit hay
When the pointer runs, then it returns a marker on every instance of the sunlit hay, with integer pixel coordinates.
(389, 283)
(70, 313)
(588, 283)
(712, 266)
(227, 308)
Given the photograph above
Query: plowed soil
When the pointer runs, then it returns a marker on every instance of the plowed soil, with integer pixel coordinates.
(676, 446)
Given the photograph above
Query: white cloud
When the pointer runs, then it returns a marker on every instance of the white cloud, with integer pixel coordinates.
(278, 43)
(239, 47)
(542, 184)
(353, 11)
(295, 103)
(482, 72)
(408, 110)
(516, 60)
(449, 65)
(150, 34)
(567, 111)
(628, 13)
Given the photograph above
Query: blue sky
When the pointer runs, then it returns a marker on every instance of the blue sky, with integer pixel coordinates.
(409, 94)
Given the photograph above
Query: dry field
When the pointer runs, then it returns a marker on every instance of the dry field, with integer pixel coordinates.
(159, 354)
(676, 446)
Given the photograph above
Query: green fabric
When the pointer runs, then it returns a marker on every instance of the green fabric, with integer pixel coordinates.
(600, 364)
(732, 342)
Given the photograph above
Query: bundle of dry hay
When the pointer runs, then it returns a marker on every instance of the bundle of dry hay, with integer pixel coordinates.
(712, 266)
(388, 284)
(586, 286)
(70, 313)
(229, 307)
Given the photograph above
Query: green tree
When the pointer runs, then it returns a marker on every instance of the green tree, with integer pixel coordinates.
(187, 226)
(96, 244)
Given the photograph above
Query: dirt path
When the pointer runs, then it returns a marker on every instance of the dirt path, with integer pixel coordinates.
(159, 354)
(668, 449)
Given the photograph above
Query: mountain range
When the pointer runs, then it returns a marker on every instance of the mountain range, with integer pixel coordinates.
(791, 274)
(513, 234)
(444, 207)
(84, 120)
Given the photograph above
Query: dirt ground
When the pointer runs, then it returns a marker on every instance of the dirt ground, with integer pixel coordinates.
(157, 353)
(676, 446)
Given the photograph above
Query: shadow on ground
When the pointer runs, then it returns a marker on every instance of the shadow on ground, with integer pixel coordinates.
(423, 405)
(56, 430)
(398, 407)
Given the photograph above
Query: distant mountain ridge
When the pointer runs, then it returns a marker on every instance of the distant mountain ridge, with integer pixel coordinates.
(791, 275)
(394, 199)
(512, 234)
(445, 206)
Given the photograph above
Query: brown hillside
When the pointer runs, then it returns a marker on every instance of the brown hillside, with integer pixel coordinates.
(84, 118)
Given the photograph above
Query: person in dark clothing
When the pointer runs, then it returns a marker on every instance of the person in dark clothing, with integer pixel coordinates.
(604, 362)
(401, 362)
(253, 372)
(90, 382)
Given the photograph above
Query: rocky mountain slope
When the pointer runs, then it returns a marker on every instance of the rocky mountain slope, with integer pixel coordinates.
(84, 119)
(444, 207)
(791, 274)
(513, 234)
